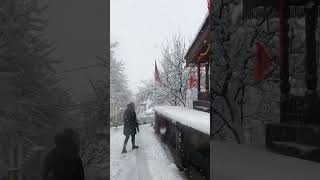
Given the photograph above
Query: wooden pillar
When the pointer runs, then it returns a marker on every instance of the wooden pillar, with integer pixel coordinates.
(311, 97)
(211, 38)
(207, 76)
(284, 60)
(199, 77)
(19, 159)
(11, 162)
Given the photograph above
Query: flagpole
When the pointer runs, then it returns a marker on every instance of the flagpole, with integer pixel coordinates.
(155, 84)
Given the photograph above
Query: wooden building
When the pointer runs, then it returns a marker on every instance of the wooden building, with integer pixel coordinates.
(297, 134)
(198, 57)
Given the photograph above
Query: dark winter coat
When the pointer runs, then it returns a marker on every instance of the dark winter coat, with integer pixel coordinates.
(130, 121)
(63, 163)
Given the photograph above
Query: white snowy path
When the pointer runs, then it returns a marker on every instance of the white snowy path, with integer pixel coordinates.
(150, 162)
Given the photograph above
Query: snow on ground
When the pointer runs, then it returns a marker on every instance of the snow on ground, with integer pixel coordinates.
(242, 162)
(196, 119)
(152, 161)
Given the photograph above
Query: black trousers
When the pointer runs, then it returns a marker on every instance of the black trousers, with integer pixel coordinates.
(132, 139)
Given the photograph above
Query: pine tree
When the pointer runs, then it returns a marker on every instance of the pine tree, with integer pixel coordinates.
(35, 105)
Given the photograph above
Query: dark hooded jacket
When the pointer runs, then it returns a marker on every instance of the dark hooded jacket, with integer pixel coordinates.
(63, 162)
(130, 120)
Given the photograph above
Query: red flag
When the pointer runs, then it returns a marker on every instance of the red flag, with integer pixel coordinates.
(209, 5)
(156, 73)
(263, 61)
(192, 81)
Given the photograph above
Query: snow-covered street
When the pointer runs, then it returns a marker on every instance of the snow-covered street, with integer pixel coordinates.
(152, 161)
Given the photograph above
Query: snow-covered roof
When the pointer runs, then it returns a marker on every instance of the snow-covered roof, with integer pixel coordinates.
(189, 117)
(202, 28)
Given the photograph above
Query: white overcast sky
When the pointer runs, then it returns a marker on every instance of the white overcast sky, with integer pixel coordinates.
(143, 26)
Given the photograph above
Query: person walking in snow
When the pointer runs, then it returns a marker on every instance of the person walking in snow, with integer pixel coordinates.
(63, 162)
(130, 126)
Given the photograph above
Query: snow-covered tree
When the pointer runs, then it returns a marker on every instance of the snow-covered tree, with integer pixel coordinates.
(32, 103)
(242, 105)
(151, 93)
(174, 74)
(236, 94)
(145, 94)
(119, 91)
(94, 128)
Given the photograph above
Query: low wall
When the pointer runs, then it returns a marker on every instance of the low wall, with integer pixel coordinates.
(190, 147)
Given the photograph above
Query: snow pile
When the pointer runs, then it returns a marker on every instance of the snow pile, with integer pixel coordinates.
(150, 111)
(189, 117)
(242, 162)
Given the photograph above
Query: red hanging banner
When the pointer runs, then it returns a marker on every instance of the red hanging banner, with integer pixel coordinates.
(192, 81)
(263, 61)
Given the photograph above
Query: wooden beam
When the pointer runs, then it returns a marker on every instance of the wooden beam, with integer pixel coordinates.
(270, 12)
(249, 5)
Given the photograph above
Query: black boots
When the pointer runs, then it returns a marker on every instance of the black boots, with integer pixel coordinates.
(124, 150)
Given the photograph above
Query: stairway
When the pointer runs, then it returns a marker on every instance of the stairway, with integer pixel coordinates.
(201, 105)
(301, 141)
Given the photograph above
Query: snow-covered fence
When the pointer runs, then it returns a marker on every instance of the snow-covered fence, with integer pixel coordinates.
(187, 133)
(25, 159)
(116, 116)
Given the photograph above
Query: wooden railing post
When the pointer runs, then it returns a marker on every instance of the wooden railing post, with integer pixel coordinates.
(311, 97)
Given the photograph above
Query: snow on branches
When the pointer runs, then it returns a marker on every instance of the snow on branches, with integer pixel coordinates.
(119, 90)
(32, 101)
(174, 73)
(236, 93)
(174, 76)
